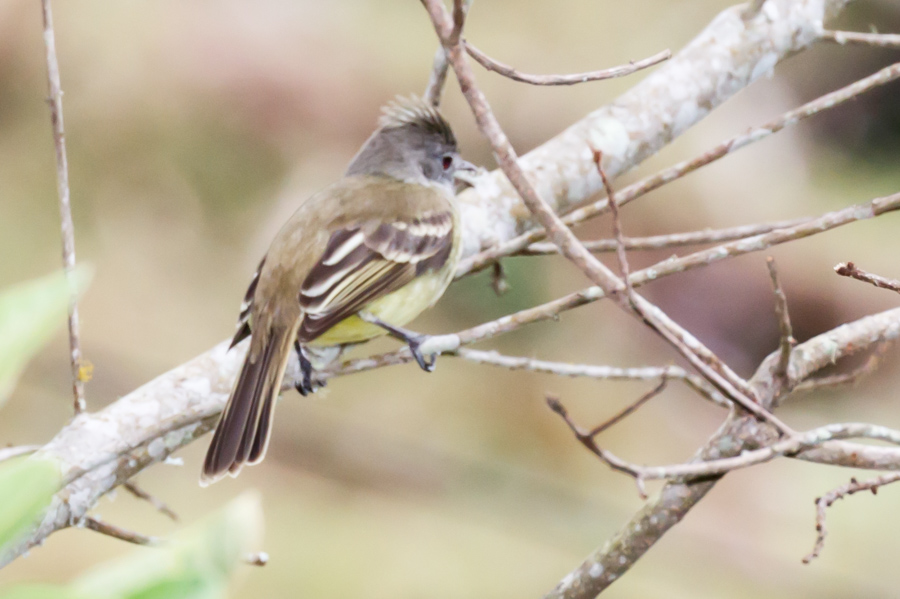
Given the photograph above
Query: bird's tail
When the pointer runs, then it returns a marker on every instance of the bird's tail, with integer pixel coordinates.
(242, 434)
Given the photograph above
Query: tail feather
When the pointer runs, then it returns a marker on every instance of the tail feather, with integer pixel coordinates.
(242, 434)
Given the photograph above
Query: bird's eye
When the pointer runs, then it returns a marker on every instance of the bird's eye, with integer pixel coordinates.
(447, 162)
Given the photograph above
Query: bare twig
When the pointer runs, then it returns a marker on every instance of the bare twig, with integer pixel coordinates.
(646, 373)
(110, 530)
(438, 77)
(629, 410)
(260, 558)
(436, 80)
(850, 270)
(880, 40)
(618, 236)
(587, 437)
(65, 209)
(160, 505)
(784, 322)
(641, 188)
(510, 72)
(787, 446)
(670, 240)
(824, 502)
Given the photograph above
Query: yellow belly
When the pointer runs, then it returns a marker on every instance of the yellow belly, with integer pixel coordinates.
(397, 308)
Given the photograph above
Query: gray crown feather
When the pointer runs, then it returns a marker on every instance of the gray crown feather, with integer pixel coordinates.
(415, 112)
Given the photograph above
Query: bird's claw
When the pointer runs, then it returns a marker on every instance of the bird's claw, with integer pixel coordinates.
(414, 344)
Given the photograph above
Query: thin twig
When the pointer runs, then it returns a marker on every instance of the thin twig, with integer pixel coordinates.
(110, 530)
(786, 446)
(665, 176)
(260, 558)
(850, 270)
(669, 240)
(824, 502)
(784, 323)
(160, 505)
(438, 77)
(618, 236)
(611, 373)
(629, 410)
(65, 208)
(511, 73)
(586, 438)
(880, 40)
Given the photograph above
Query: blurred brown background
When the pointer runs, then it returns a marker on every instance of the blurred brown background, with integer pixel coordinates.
(195, 127)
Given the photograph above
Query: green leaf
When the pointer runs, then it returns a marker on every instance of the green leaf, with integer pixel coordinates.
(196, 564)
(26, 487)
(30, 313)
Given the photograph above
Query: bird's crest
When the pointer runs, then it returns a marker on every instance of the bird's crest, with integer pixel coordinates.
(415, 112)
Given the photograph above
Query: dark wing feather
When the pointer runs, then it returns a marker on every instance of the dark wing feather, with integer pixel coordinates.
(366, 261)
(243, 326)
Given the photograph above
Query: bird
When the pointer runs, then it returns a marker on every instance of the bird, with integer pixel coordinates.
(357, 260)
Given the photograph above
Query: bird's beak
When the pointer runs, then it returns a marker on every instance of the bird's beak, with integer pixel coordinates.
(465, 165)
(466, 172)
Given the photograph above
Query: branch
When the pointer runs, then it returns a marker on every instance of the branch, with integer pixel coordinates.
(438, 77)
(646, 373)
(737, 434)
(850, 270)
(110, 530)
(511, 73)
(65, 207)
(717, 467)
(160, 505)
(825, 502)
(670, 240)
(878, 40)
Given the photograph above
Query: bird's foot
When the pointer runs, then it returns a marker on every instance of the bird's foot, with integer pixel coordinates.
(413, 340)
(306, 384)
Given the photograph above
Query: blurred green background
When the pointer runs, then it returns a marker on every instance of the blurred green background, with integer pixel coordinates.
(194, 128)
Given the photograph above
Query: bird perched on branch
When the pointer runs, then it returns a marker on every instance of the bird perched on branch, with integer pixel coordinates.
(357, 260)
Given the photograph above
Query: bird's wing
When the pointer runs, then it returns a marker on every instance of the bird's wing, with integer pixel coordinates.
(243, 325)
(365, 261)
